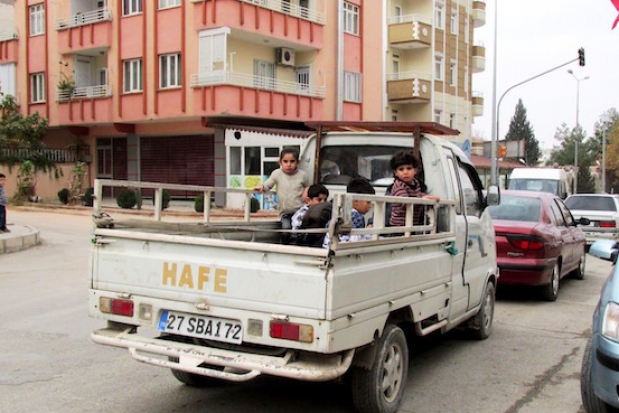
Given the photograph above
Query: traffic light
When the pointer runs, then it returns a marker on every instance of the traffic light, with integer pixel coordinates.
(581, 56)
(502, 151)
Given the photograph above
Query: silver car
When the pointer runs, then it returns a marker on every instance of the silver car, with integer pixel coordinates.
(602, 211)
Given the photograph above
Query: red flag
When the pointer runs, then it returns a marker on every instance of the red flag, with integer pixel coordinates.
(616, 4)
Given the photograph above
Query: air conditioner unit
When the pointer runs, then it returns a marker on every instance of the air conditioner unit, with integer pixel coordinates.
(285, 56)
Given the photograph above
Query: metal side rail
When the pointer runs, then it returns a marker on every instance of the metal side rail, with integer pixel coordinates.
(243, 366)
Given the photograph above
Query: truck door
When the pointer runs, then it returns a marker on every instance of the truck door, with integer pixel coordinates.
(474, 234)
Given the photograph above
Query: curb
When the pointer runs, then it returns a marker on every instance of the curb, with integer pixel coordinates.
(24, 238)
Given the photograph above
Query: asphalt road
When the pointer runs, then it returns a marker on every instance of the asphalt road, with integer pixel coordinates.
(530, 364)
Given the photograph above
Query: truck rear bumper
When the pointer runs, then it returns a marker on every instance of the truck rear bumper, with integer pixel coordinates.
(237, 366)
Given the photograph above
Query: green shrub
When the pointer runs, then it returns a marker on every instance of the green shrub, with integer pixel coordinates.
(89, 197)
(254, 205)
(165, 199)
(63, 196)
(198, 203)
(126, 198)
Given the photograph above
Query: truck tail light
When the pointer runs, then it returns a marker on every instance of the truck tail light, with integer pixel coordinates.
(292, 331)
(527, 243)
(608, 224)
(116, 306)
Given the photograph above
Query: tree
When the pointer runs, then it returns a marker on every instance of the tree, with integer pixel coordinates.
(520, 129)
(565, 155)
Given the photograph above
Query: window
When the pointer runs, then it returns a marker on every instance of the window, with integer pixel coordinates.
(398, 14)
(453, 22)
(439, 70)
(37, 88)
(302, 75)
(352, 86)
(452, 120)
(438, 115)
(37, 19)
(132, 79)
(164, 4)
(472, 194)
(264, 75)
(453, 73)
(170, 70)
(132, 7)
(396, 67)
(351, 18)
(102, 76)
(394, 115)
(439, 16)
(466, 30)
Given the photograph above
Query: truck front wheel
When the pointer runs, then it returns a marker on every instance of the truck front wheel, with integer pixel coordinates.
(480, 326)
(380, 388)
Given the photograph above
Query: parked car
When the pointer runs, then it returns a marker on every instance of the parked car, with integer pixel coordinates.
(599, 376)
(538, 241)
(602, 211)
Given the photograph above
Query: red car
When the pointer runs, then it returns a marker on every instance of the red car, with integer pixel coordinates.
(538, 241)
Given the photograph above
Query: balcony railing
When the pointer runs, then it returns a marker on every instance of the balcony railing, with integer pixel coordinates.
(55, 155)
(81, 19)
(292, 9)
(409, 18)
(408, 75)
(8, 33)
(82, 92)
(256, 82)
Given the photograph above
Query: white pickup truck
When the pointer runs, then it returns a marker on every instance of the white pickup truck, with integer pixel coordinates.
(226, 300)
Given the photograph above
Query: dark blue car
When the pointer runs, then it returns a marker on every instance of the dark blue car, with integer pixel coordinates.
(599, 377)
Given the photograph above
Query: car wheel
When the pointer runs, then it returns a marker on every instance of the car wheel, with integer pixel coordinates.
(590, 401)
(379, 389)
(481, 324)
(551, 291)
(579, 273)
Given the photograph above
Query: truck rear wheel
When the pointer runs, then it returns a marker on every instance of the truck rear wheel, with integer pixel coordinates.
(380, 388)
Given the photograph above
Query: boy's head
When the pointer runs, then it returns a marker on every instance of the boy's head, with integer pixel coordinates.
(289, 160)
(405, 165)
(360, 186)
(2, 179)
(317, 193)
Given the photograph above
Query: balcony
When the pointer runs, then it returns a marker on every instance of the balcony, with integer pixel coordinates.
(479, 13)
(217, 78)
(479, 58)
(409, 87)
(84, 31)
(478, 104)
(8, 45)
(7, 34)
(410, 31)
(83, 92)
(291, 9)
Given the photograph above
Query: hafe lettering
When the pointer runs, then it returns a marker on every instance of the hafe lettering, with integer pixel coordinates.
(198, 278)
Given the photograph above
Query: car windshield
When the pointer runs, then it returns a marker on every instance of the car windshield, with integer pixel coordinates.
(591, 203)
(341, 163)
(517, 208)
(540, 185)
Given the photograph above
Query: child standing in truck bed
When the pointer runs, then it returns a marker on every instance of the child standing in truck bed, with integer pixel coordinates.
(291, 183)
(405, 166)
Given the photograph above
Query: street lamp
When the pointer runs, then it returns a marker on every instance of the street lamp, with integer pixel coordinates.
(578, 80)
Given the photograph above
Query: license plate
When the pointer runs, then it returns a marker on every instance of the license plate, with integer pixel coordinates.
(211, 328)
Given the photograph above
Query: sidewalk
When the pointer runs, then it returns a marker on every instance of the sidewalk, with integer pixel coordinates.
(20, 238)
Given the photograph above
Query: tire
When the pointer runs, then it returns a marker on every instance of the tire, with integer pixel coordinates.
(579, 273)
(380, 388)
(550, 292)
(480, 325)
(590, 401)
(194, 380)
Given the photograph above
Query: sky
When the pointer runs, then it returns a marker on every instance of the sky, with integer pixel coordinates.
(534, 36)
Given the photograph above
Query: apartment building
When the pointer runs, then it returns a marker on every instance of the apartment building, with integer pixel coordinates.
(137, 81)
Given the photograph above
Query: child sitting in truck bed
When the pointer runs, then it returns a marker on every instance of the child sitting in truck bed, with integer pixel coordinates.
(316, 194)
(405, 166)
(359, 209)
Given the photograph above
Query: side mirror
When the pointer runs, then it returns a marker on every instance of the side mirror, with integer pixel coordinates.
(605, 249)
(493, 196)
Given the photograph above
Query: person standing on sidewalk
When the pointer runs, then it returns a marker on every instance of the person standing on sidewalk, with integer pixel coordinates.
(3, 201)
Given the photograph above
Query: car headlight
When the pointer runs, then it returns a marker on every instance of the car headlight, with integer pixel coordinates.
(610, 324)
